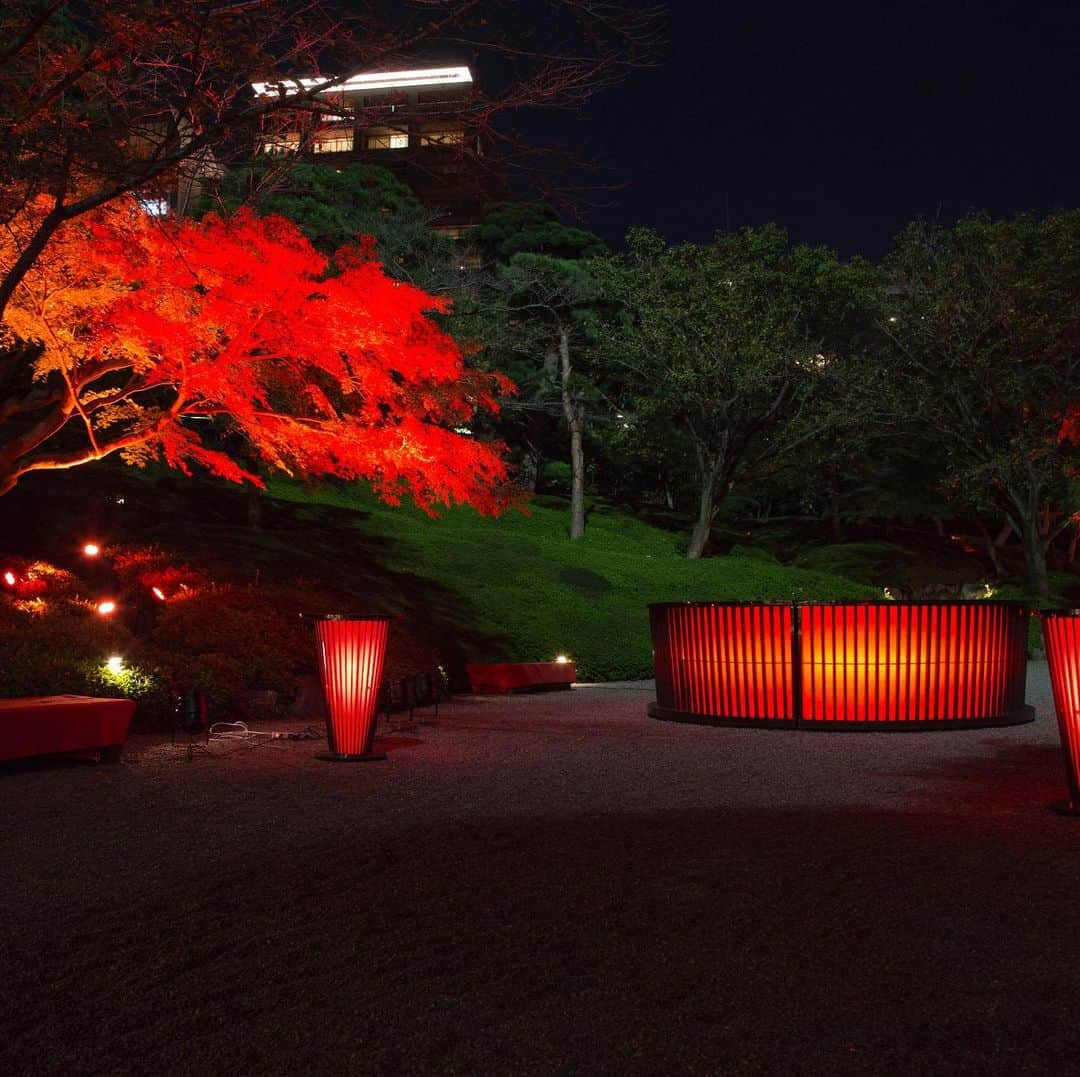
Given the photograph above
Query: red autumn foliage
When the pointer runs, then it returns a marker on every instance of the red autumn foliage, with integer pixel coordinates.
(214, 342)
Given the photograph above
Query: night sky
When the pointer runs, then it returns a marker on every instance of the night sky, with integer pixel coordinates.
(839, 120)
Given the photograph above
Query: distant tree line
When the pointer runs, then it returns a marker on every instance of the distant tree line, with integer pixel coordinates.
(940, 382)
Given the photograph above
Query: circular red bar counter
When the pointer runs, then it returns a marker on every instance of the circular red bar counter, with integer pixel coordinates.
(849, 665)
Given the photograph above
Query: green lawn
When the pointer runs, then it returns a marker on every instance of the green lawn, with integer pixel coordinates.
(516, 588)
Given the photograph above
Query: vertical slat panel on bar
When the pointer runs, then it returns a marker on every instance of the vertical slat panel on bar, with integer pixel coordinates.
(937, 641)
(806, 706)
(726, 694)
(886, 632)
(969, 677)
(858, 661)
(757, 653)
(829, 635)
(743, 669)
(990, 641)
(879, 659)
(1061, 633)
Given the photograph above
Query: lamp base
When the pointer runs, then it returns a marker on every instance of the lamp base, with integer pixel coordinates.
(346, 757)
(1065, 807)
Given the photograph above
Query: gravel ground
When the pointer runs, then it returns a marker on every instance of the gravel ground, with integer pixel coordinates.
(548, 884)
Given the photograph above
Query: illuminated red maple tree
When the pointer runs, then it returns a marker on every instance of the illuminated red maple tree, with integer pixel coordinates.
(159, 339)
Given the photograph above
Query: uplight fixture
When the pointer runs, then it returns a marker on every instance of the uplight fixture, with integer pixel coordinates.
(106, 607)
(115, 664)
(91, 549)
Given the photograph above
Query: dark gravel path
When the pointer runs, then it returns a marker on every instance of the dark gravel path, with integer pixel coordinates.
(548, 884)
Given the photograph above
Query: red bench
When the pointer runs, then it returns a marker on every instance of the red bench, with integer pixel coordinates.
(502, 677)
(43, 725)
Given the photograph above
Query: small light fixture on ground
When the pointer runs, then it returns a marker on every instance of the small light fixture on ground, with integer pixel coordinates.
(562, 659)
(106, 607)
(115, 664)
(158, 593)
(10, 579)
(91, 549)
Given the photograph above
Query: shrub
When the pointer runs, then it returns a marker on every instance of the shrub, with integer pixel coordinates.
(555, 477)
(236, 638)
(145, 567)
(57, 649)
(757, 553)
(879, 564)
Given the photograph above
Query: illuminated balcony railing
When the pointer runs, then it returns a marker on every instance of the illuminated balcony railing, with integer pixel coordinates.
(872, 665)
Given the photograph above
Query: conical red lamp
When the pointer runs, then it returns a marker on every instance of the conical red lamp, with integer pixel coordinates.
(1061, 633)
(351, 657)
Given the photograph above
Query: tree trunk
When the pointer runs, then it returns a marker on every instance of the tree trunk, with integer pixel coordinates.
(708, 472)
(577, 483)
(834, 504)
(991, 550)
(1035, 558)
(255, 517)
(574, 414)
(669, 497)
(529, 469)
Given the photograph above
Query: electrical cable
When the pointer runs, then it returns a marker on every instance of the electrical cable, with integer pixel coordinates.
(241, 731)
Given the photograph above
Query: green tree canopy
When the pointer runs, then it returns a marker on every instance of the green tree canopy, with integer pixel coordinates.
(725, 344)
(509, 228)
(983, 328)
(333, 206)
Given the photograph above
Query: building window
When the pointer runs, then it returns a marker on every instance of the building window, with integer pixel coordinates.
(280, 145)
(386, 138)
(333, 140)
(155, 207)
(443, 135)
(453, 231)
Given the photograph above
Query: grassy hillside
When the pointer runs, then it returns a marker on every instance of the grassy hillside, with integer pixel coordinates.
(529, 593)
(463, 587)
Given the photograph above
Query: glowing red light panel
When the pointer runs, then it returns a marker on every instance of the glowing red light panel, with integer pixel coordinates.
(912, 662)
(730, 660)
(351, 656)
(851, 665)
(1061, 633)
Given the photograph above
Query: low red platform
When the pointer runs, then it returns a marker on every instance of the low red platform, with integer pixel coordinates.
(43, 725)
(498, 678)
